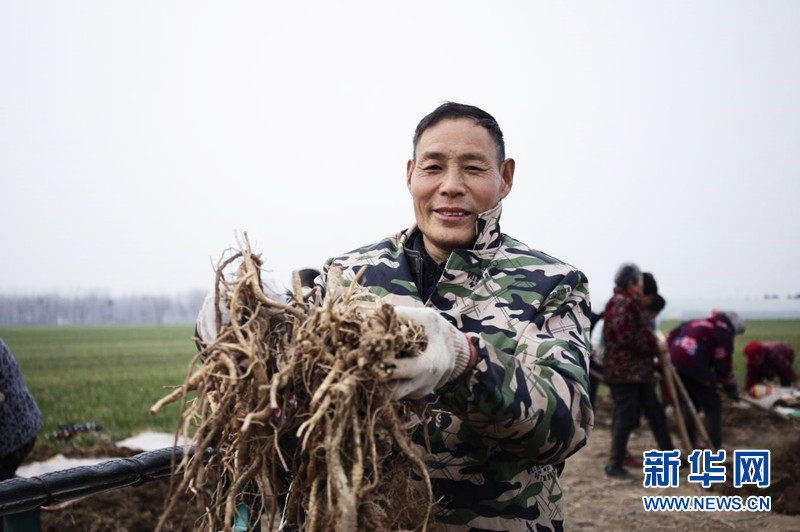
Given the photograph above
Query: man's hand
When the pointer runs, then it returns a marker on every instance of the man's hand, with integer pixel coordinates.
(2, 399)
(446, 357)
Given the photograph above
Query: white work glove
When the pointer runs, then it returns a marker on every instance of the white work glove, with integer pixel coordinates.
(446, 357)
(206, 325)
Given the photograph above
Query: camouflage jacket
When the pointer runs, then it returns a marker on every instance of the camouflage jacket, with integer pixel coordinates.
(499, 431)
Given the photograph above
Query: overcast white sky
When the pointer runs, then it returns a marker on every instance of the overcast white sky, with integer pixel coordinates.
(137, 138)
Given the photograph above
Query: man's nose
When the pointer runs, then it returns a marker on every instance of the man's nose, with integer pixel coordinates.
(452, 182)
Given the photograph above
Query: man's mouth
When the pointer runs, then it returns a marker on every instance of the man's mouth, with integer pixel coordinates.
(452, 213)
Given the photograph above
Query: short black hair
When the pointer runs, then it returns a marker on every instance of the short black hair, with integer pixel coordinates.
(650, 285)
(657, 304)
(460, 110)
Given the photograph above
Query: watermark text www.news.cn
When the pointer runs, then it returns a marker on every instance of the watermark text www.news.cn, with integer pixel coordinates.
(662, 468)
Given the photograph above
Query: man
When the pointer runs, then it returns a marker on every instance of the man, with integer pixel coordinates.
(505, 371)
(510, 388)
(766, 361)
(701, 351)
(652, 304)
(630, 346)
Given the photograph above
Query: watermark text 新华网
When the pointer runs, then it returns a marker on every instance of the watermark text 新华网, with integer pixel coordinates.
(661, 470)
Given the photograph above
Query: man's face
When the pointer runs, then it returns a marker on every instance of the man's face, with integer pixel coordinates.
(455, 177)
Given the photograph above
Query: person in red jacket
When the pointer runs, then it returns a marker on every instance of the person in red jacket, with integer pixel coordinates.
(701, 351)
(766, 361)
(629, 348)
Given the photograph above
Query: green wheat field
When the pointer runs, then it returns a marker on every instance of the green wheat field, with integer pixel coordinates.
(113, 375)
(105, 375)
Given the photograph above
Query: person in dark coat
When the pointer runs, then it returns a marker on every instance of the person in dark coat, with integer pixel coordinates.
(20, 418)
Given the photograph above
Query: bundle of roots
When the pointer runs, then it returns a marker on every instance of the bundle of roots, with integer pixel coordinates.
(291, 405)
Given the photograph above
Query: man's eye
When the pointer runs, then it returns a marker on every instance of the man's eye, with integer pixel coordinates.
(474, 169)
(432, 168)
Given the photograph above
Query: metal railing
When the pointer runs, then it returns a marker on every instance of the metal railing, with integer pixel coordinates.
(21, 498)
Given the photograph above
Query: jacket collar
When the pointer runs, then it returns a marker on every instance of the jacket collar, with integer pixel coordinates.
(487, 230)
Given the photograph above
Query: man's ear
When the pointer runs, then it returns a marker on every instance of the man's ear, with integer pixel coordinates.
(409, 170)
(507, 175)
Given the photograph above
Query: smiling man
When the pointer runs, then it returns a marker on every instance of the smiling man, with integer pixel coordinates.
(506, 368)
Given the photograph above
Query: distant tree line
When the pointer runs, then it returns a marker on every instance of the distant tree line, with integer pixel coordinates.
(94, 309)
(98, 309)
